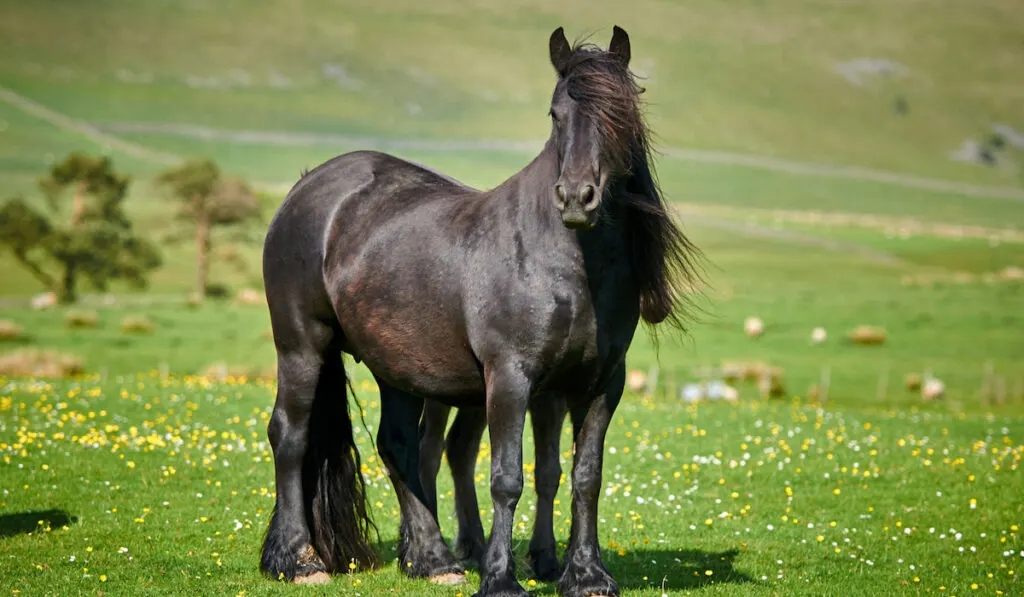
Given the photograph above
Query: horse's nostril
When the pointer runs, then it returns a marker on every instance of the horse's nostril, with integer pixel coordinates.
(560, 192)
(587, 195)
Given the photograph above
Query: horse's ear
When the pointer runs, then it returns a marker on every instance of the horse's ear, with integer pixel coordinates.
(620, 44)
(560, 50)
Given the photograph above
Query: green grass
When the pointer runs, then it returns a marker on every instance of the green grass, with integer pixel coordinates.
(756, 78)
(28, 147)
(185, 340)
(150, 486)
(723, 76)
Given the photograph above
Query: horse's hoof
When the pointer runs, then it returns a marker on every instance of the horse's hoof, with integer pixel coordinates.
(448, 578)
(317, 578)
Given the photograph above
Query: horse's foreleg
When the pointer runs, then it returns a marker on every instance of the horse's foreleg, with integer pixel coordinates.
(508, 391)
(585, 574)
(463, 445)
(432, 426)
(547, 415)
(421, 550)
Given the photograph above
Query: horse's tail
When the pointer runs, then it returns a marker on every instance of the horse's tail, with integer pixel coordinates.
(333, 486)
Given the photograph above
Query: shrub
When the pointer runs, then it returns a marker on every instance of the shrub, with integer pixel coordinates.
(10, 330)
(868, 335)
(40, 363)
(251, 296)
(137, 324)
(912, 382)
(77, 318)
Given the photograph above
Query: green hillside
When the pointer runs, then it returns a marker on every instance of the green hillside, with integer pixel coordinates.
(758, 78)
(269, 89)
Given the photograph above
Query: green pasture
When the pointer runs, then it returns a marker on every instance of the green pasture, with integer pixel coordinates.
(761, 78)
(145, 476)
(148, 486)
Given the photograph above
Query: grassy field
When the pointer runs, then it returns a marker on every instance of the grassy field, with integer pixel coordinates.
(150, 480)
(147, 486)
(757, 78)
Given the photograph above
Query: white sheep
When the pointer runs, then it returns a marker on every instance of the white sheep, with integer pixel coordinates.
(932, 389)
(753, 326)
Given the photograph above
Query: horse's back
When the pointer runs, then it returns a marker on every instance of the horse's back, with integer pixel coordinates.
(357, 187)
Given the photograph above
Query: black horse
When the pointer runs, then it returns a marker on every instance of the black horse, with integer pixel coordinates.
(470, 298)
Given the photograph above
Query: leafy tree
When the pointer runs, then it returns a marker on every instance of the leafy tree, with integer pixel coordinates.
(209, 199)
(95, 242)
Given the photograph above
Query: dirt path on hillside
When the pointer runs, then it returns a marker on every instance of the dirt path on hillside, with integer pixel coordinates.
(889, 225)
(69, 124)
(105, 134)
(798, 238)
(447, 145)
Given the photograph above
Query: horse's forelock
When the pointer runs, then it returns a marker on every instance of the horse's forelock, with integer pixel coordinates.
(606, 90)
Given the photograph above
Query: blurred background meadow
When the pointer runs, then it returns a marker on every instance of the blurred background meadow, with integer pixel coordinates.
(853, 171)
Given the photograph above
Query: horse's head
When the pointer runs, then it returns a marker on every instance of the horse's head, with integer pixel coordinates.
(596, 123)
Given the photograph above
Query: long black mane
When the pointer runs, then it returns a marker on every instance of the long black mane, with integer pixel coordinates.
(666, 264)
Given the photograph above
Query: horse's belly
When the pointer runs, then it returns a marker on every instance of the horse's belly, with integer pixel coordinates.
(411, 356)
(446, 379)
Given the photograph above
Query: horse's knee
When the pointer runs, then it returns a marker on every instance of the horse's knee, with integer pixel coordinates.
(275, 429)
(586, 481)
(506, 488)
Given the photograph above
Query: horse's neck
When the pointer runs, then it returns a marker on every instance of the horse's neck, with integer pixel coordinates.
(533, 188)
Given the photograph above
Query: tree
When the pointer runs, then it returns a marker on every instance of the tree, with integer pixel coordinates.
(95, 242)
(209, 199)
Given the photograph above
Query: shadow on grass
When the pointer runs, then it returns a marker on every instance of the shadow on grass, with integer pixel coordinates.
(679, 569)
(21, 523)
(675, 570)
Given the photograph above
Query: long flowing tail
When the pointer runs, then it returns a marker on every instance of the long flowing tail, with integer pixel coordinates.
(333, 488)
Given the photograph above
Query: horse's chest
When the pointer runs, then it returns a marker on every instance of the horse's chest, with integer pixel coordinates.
(588, 335)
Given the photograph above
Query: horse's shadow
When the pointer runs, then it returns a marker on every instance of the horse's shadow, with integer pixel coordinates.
(22, 523)
(675, 570)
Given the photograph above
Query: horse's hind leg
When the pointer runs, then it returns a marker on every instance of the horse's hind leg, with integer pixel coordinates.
(432, 427)
(303, 374)
(547, 415)
(421, 551)
(463, 445)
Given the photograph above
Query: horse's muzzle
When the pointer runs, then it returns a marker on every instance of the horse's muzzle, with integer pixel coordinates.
(578, 206)
(576, 218)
